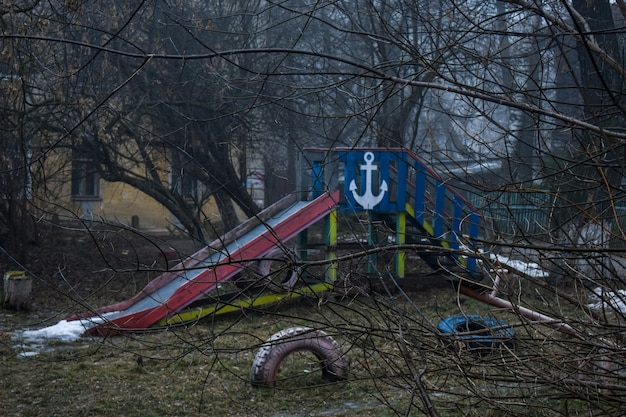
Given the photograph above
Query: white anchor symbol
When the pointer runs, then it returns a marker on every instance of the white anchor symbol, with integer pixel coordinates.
(368, 200)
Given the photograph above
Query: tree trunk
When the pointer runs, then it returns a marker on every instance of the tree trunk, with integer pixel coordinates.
(601, 95)
(227, 210)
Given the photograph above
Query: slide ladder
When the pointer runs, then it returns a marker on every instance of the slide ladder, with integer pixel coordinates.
(397, 186)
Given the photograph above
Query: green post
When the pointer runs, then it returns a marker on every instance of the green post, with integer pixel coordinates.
(400, 240)
(302, 243)
(331, 245)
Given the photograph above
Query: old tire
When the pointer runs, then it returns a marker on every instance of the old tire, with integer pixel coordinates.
(269, 357)
(283, 279)
(481, 334)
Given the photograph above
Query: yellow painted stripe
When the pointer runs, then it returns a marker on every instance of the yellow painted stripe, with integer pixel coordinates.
(427, 226)
(429, 229)
(409, 209)
(200, 312)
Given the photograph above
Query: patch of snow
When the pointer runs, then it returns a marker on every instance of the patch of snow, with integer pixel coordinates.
(32, 342)
(66, 331)
(529, 268)
(603, 299)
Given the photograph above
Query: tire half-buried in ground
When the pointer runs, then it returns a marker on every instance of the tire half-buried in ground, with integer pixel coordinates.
(285, 277)
(272, 353)
(481, 334)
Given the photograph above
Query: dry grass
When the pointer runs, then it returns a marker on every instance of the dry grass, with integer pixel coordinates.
(204, 369)
(200, 370)
(394, 349)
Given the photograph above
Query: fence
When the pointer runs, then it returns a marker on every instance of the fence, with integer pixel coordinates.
(532, 213)
(516, 213)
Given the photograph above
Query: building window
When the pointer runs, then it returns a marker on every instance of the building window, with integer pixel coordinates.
(85, 180)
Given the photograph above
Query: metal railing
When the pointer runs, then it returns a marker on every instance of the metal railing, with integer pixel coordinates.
(516, 213)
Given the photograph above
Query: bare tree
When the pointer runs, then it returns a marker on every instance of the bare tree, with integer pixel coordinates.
(518, 104)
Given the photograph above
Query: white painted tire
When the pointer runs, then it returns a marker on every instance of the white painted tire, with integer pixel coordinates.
(295, 339)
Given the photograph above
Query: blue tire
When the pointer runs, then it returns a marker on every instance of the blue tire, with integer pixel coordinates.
(477, 332)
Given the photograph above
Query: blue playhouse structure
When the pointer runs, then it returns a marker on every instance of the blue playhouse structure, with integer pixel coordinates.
(397, 187)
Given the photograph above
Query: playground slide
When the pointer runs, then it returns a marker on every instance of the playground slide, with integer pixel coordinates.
(218, 262)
